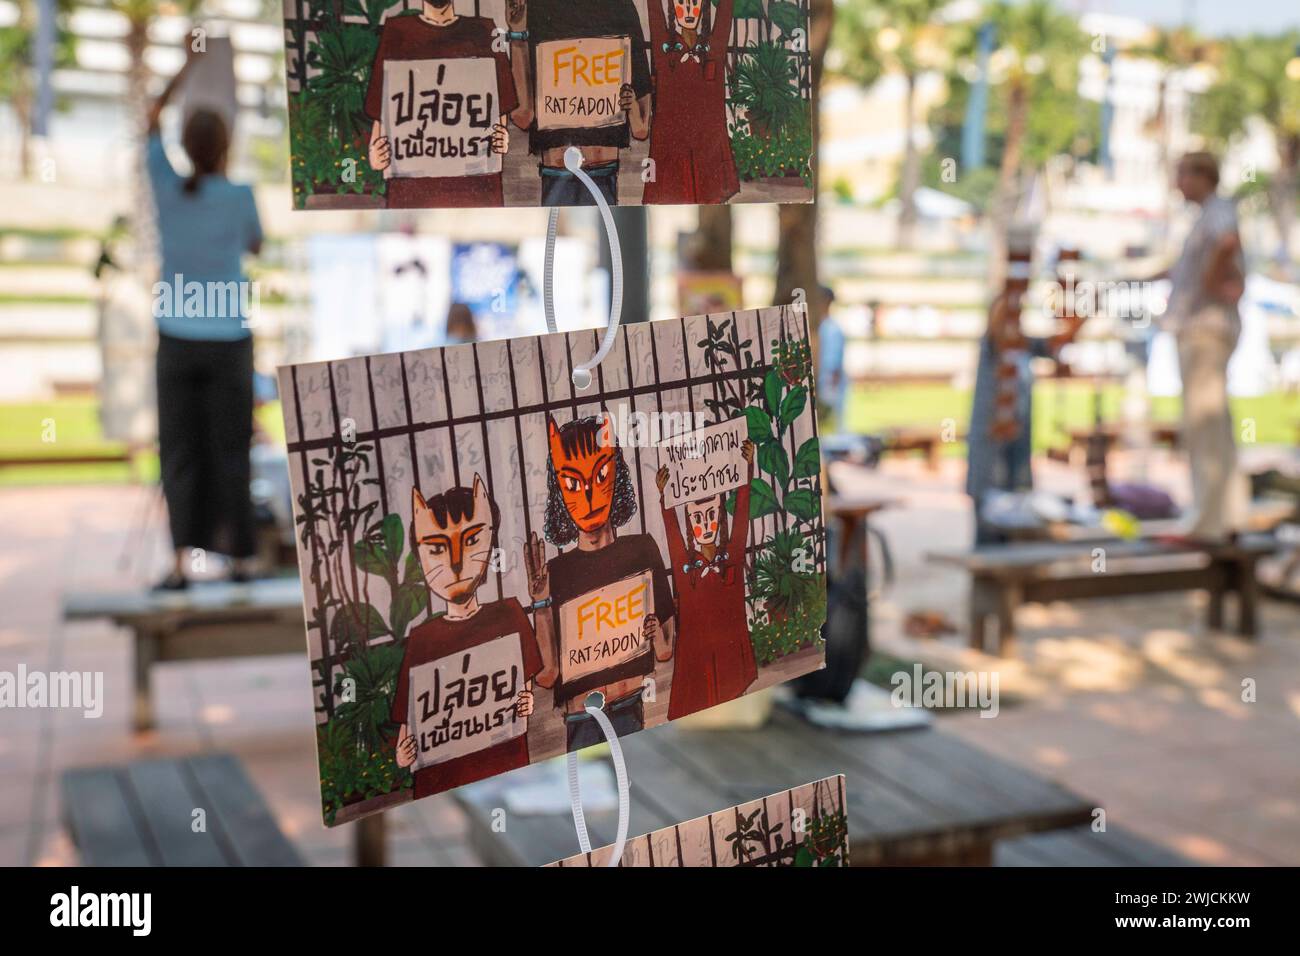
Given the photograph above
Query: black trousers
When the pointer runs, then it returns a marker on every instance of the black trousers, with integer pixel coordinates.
(205, 429)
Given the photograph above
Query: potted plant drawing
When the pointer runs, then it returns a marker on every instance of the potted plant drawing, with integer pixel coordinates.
(765, 87)
(787, 590)
(772, 135)
(361, 645)
(329, 131)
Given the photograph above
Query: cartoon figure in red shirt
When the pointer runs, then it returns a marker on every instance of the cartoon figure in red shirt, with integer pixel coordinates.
(689, 142)
(715, 658)
(437, 32)
(458, 722)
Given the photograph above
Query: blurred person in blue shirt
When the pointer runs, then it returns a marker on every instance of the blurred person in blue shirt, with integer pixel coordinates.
(202, 303)
(832, 387)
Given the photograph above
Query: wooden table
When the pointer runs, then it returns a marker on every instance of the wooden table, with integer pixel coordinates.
(208, 621)
(914, 796)
(142, 814)
(854, 512)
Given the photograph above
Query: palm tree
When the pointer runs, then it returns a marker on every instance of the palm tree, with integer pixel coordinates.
(908, 37)
(1175, 50)
(17, 70)
(139, 15)
(1035, 63)
(1259, 78)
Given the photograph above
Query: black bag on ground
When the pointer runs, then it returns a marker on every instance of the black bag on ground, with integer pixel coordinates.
(847, 627)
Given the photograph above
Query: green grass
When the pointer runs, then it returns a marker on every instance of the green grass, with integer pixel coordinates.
(76, 432)
(1058, 407)
(870, 408)
(44, 298)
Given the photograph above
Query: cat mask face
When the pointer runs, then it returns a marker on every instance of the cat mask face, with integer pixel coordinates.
(453, 538)
(585, 468)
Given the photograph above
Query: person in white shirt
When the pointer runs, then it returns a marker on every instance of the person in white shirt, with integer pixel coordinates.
(1208, 281)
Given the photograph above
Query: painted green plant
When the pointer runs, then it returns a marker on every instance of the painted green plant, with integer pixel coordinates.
(787, 591)
(348, 775)
(826, 843)
(791, 486)
(368, 590)
(786, 153)
(765, 88)
(775, 636)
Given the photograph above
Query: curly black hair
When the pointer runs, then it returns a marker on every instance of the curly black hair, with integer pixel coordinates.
(580, 435)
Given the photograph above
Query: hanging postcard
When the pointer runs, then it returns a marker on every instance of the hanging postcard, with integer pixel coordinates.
(484, 549)
(406, 104)
(806, 826)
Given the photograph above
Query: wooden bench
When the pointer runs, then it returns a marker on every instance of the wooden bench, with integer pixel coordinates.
(913, 796)
(1003, 577)
(143, 814)
(1083, 846)
(209, 621)
(928, 441)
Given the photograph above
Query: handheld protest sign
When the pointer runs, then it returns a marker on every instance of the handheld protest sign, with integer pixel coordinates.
(439, 116)
(473, 103)
(579, 82)
(483, 546)
(806, 827)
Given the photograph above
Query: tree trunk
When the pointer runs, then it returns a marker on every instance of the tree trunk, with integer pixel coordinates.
(911, 174)
(23, 98)
(143, 230)
(796, 249)
(1005, 196)
(710, 247)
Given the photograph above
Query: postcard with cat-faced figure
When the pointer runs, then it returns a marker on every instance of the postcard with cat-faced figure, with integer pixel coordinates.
(486, 550)
(404, 104)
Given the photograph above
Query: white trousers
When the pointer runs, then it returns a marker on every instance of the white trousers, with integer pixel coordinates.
(1205, 343)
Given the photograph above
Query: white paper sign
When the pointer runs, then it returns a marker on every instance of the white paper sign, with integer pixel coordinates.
(704, 462)
(601, 629)
(439, 114)
(578, 82)
(466, 701)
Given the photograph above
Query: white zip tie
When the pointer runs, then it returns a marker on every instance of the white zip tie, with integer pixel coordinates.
(582, 373)
(620, 774)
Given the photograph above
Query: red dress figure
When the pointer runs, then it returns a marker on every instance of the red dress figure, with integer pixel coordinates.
(715, 658)
(689, 143)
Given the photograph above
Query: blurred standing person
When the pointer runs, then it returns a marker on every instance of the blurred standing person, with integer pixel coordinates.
(1004, 465)
(832, 386)
(460, 325)
(1208, 281)
(205, 349)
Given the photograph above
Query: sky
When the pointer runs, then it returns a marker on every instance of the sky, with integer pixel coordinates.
(1213, 17)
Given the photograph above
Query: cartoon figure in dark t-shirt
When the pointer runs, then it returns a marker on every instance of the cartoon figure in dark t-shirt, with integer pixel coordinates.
(548, 21)
(715, 657)
(438, 32)
(607, 584)
(453, 534)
